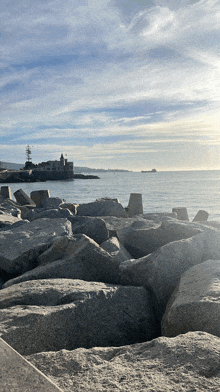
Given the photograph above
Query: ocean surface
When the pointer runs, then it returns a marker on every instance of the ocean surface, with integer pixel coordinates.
(160, 191)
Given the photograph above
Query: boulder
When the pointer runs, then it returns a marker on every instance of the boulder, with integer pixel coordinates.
(52, 202)
(78, 257)
(20, 246)
(94, 228)
(74, 314)
(135, 205)
(187, 362)
(70, 206)
(116, 250)
(201, 216)
(144, 237)
(39, 196)
(6, 220)
(50, 213)
(10, 209)
(195, 304)
(181, 212)
(6, 192)
(102, 208)
(23, 199)
(161, 270)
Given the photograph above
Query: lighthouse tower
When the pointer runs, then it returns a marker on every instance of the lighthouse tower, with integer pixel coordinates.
(62, 161)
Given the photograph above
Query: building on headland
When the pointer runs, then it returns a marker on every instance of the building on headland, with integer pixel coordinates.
(53, 170)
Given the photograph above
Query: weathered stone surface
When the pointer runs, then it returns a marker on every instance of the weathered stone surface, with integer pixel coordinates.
(7, 219)
(94, 228)
(195, 304)
(161, 271)
(188, 362)
(50, 213)
(8, 208)
(19, 247)
(144, 237)
(135, 205)
(85, 314)
(201, 216)
(70, 206)
(116, 250)
(52, 202)
(23, 199)
(78, 257)
(102, 208)
(181, 212)
(39, 196)
(19, 375)
(114, 223)
(6, 192)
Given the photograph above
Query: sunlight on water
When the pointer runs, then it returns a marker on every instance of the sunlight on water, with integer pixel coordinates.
(160, 191)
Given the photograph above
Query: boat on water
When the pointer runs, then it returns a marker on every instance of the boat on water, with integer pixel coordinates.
(149, 171)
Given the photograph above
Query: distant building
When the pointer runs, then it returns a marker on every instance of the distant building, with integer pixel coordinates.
(53, 168)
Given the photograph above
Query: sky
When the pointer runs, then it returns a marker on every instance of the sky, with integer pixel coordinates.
(111, 83)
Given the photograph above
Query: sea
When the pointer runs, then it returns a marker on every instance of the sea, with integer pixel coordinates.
(161, 191)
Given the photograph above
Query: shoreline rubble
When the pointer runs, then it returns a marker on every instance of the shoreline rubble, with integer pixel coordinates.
(103, 281)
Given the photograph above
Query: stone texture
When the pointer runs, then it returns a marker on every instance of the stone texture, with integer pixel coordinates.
(23, 199)
(135, 205)
(6, 192)
(116, 250)
(6, 220)
(19, 375)
(181, 212)
(161, 271)
(39, 196)
(70, 206)
(82, 314)
(52, 202)
(78, 257)
(195, 304)
(102, 208)
(201, 216)
(50, 213)
(29, 241)
(144, 237)
(188, 363)
(94, 228)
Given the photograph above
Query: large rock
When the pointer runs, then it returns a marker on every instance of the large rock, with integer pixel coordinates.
(39, 196)
(52, 202)
(116, 250)
(19, 247)
(6, 220)
(50, 213)
(195, 304)
(161, 271)
(102, 208)
(78, 257)
(188, 362)
(94, 228)
(144, 237)
(74, 314)
(23, 199)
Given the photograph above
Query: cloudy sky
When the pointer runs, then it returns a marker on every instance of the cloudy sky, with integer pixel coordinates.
(111, 83)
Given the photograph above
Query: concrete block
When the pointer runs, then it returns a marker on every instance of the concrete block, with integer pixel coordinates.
(135, 206)
(23, 199)
(181, 212)
(201, 216)
(39, 196)
(19, 375)
(6, 192)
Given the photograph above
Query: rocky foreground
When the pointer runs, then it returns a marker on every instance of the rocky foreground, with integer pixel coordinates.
(103, 298)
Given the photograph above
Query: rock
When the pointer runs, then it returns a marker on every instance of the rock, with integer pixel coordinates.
(51, 213)
(70, 206)
(28, 243)
(75, 314)
(144, 237)
(102, 208)
(10, 209)
(94, 228)
(39, 196)
(187, 362)
(116, 250)
(195, 304)
(135, 205)
(52, 202)
(201, 216)
(114, 224)
(6, 220)
(181, 212)
(23, 199)
(161, 271)
(78, 257)
(6, 192)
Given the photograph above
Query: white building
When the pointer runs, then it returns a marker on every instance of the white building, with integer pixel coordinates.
(56, 166)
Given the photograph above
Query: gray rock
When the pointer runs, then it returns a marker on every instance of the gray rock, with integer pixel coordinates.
(78, 257)
(181, 212)
(201, 216)
(19, 247)
(50, 213)
(144, 237)
(114, 223)
(6, 219)
(70, 206)
(52, 202)
(9, 208)
(102, 208)
(116, 250)
(161, 271)
(187, 362)
(94, 228)
(195, 304)
(135, 205)
(39, 196)
(6, 192)
(23, 199)
(82, 314)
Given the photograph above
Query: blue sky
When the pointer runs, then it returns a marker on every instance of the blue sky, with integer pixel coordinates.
(111, 83)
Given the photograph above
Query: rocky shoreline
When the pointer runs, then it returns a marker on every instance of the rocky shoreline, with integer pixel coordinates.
(100, 297)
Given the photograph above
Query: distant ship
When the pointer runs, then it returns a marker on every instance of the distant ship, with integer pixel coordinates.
(149, 171)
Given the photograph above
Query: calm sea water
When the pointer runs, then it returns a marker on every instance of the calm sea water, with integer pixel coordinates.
(160, 191)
